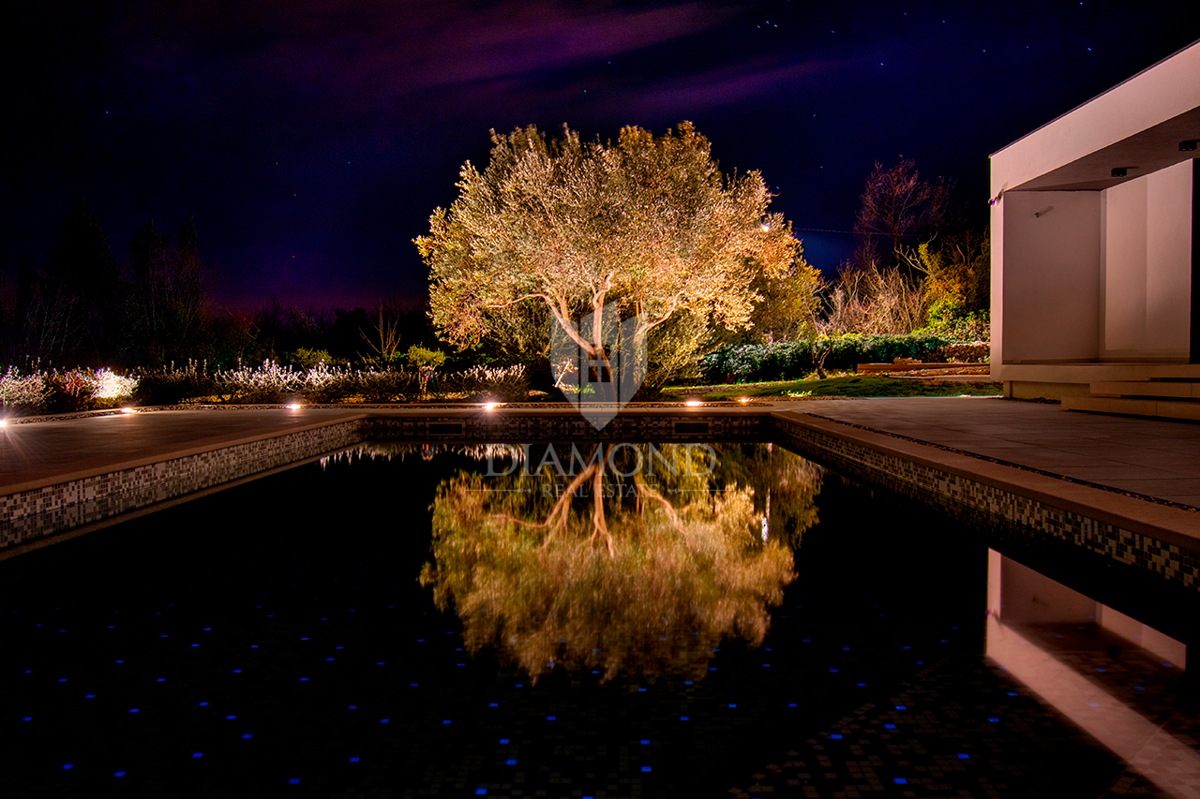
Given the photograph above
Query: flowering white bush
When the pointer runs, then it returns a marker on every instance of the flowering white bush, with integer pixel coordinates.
(110, 385)
(387, 385)
(267, 382)
(321, 377)
(28, 392)
(497, 382)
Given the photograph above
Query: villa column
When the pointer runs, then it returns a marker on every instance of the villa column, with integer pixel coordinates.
(1195, 337)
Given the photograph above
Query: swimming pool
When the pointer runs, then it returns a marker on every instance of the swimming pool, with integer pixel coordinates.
(301, 635)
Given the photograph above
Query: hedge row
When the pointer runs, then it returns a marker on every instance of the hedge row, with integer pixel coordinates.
(81, 389)
(976, 352)
(792, 360)
(272, 383)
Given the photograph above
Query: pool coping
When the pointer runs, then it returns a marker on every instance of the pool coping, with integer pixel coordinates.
(1144, 515)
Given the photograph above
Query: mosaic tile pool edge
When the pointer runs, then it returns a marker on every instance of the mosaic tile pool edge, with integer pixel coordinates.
(991, 508)
(36, 513)
(717, 426)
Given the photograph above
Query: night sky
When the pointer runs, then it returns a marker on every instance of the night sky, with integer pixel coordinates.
(311, 139)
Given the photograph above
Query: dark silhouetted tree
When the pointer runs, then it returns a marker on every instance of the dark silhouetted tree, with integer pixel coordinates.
(166, 307)
(71, 307)
(899, 213)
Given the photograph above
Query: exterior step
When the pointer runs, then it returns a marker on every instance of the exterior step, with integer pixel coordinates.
(1162, 409)
(1174, 389)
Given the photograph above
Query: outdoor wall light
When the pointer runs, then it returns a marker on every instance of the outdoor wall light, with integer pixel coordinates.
(127, 409)
(1188, 145)
(693, 403)
(491, 406)
(293, 406)
(1120, 171)
(3, 423)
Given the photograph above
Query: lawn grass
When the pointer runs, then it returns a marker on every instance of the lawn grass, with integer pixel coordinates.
(837, 386)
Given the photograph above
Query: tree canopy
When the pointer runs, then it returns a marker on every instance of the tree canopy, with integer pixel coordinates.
(648, 222)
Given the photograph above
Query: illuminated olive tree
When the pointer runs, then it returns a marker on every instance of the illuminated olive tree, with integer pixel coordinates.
(618, 564)
(648, 222)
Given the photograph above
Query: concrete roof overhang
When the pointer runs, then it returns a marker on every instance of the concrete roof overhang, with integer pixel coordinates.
(1140, 154)
(1137, 125)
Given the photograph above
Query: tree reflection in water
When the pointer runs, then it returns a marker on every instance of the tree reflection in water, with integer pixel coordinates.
(630, 559)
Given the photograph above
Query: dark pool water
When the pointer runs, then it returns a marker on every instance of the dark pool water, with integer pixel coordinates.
(274, 640)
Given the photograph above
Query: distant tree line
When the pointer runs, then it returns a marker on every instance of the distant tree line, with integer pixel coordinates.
(84, 305)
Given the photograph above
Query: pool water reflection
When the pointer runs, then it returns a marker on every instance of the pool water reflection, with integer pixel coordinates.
(627, 560)
(459, 622)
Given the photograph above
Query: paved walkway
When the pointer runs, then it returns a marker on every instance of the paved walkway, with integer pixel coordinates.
(1160, 459)
(1152, 457)
(55, 450)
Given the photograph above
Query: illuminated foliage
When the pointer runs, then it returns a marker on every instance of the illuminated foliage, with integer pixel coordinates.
(649, 222)
(958, 278)
(630, 559)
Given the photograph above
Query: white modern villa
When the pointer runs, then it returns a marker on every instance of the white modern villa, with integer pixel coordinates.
(1096, 250)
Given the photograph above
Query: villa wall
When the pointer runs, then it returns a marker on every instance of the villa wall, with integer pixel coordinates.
(1051, 276)
(1147, 264)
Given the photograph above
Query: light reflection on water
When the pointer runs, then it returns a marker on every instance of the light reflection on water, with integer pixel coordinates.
(631, 559)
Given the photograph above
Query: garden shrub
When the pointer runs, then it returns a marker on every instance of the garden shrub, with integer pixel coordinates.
(419, 356)
(323, 383)
(389, 385)
(170, 386)
(497, 383)
(306, 359)
(269, 383)
(64, 391)
(792, 360)
(23, 393)
(82, 389)
(975, 352)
